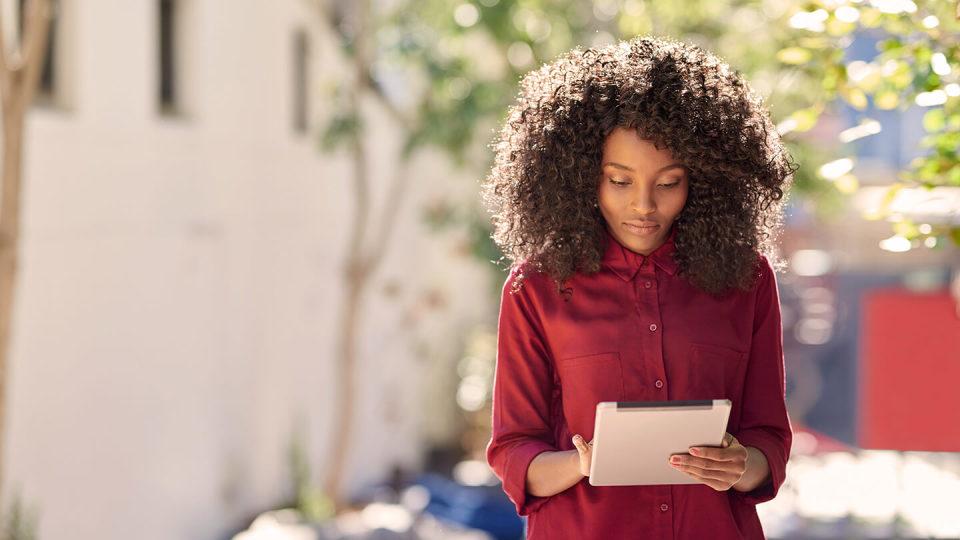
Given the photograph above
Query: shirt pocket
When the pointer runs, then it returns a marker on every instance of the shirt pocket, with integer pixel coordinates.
(716, 371)
(585, 381)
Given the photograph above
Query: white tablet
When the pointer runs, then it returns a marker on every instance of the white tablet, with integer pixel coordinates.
(633, 440)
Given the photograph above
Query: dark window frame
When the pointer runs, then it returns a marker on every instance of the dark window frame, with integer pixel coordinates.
(168, 97)
(301, 81)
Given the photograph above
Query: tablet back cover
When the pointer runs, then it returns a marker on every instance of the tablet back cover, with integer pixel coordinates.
(633, 441)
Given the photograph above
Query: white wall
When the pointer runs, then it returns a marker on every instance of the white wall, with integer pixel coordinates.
(179, 283)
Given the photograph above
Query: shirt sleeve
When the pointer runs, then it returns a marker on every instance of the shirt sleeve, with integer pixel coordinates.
(765, 424)
(522, 390)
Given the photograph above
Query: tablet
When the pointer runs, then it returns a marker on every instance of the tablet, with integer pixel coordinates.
(633, 440)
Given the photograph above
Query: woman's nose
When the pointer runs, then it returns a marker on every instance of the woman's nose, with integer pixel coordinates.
(643, 203)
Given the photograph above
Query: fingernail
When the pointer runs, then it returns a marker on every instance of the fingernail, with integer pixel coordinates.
(695, 451)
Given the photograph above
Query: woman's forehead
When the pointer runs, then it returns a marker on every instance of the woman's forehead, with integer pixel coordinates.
(625, 149)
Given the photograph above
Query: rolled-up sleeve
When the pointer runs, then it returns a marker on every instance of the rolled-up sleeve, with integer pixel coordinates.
(765, 424)
(522, 390)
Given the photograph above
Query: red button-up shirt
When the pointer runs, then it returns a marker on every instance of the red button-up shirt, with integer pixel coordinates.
(635, 330)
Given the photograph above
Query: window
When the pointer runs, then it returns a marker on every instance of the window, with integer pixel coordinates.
(301, 80)
(167, 32)
(46, 89)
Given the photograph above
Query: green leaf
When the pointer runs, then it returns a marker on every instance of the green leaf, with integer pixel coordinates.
(805, 119)
(953, 121)
(953, 176)
(836, 27)
(886, 100)
(955, 235)
(889, 196)
(934, 120)
(340, 129)
(794, 55)
(906, 229)
(855, 97)
(870, 17)
(889, 45)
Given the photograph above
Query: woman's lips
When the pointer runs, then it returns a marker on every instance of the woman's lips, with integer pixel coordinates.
(641, 228)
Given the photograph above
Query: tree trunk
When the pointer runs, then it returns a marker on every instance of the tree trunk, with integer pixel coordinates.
(364, 253)
(9, 243)
(19, 77)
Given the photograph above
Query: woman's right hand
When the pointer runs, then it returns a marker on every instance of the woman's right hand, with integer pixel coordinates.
(585, 449)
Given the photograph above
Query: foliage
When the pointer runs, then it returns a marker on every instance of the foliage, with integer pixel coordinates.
(19, 522)
(453, 65)
(307, 497)
(917, 43)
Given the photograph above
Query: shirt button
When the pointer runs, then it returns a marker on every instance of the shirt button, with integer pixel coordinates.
(658, 384)
(648, 284)
(664, 508)
(653, 328)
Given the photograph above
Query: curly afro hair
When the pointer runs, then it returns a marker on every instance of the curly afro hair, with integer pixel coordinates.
(543, 184)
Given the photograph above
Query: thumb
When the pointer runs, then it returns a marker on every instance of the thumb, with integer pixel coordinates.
(579, 443)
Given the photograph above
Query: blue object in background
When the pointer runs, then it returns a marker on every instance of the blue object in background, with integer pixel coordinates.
(481, 507)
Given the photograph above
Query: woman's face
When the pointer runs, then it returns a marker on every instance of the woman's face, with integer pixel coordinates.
(642, 190)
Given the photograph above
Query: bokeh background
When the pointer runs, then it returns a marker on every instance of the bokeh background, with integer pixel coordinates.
(252, 292)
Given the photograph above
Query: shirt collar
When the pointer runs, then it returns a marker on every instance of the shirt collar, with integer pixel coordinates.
(625, 262)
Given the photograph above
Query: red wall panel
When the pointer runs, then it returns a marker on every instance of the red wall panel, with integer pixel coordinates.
(909, 396)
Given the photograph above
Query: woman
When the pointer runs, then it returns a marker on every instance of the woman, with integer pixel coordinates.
(638, 190)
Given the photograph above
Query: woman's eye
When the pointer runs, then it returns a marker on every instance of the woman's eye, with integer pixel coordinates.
(616, 182)
(674, 184)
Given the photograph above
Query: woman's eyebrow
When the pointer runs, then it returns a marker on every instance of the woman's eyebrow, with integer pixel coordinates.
(660, 170)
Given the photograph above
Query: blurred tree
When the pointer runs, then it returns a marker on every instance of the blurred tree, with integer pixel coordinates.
(915, 64)
(19, 522)
(446, 71)
(20, 71)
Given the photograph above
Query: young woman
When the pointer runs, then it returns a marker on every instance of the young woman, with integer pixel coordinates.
(638, 191)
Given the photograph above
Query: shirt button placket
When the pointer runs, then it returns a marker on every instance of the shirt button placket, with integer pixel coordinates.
(647, 306)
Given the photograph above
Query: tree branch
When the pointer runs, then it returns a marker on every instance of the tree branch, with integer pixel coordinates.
(394, 201)
(35, 33)
(4, 63)
(328, 16)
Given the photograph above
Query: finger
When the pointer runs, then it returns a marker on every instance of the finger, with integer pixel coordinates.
(715, 484)
(713, 474)
(579, 443)
(721, 479)
(718, 454)
(730, 440)
(705, 464)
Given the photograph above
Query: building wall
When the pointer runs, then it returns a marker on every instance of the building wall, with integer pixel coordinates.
(179, 282)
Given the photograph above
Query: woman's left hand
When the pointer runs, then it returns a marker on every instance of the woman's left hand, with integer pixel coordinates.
(719, 468)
